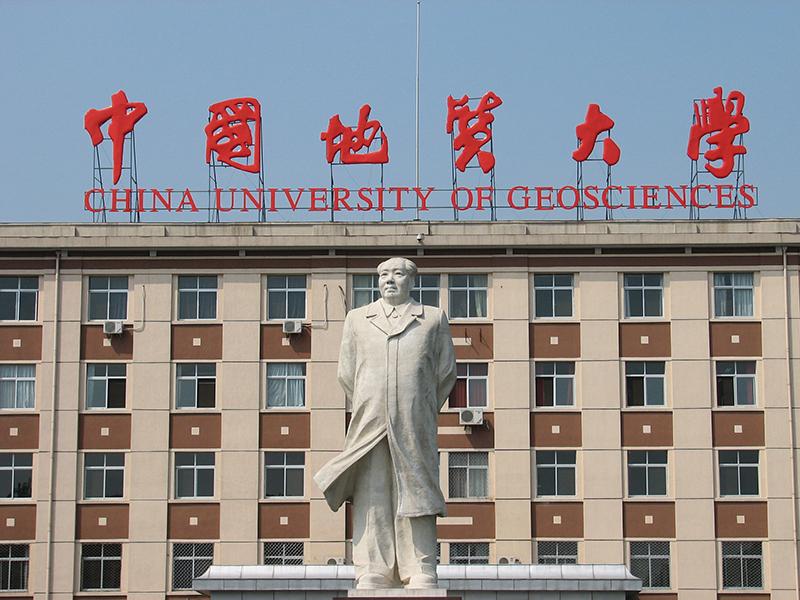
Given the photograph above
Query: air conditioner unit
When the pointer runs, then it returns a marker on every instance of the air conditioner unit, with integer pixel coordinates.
(112, 327)
(335, 560)
(292, 327)
(470, 416)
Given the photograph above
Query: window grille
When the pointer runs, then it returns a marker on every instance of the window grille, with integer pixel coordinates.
(742, 565)
(14, 565)
(101, 566)
(557, 553)
(650, 563)
(553, 295)
(197, 297)
(17, 386)
(468, 296)
(283, 553)
(286, 297)
(469, 553)
(468, 474)
(190, 561)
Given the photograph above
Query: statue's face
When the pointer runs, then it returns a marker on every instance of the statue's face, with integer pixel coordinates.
(394, 282)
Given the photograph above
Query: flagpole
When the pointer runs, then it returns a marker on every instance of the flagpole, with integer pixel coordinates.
(416, 117)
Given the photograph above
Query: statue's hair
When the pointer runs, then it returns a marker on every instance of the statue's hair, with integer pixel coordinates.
(408, 265)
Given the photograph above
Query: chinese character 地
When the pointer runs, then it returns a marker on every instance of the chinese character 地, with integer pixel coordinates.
(473, 129)
(722, 122)
(123, 116)
(229, 133)
(348, 142)
(596, 123)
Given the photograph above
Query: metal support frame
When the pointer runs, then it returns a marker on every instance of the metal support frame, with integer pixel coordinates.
(579, 211)
(454, 170)
(214, 164)
(98, 200)
(378, 136)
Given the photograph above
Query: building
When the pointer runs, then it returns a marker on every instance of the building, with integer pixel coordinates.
(638, 382)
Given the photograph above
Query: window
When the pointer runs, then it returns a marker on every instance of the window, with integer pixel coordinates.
(101, 566)
(103, 475)
(733, 294)
(196, 386)
(650, 563)
(17, 386)
(472, 384)
(426, 289)
(13, 567)
(16, 474)
(469, 553)
(468, 474)
(555, 472)
(197, 297)
(283, 474)
(468, 296)
(108, 298)
(194, 474)
(557, 553)
(738, 472)
(644, 293)
(283, 553)
(286, 297)
(18, 297)
(555, 383)
(647, 472)
(365, 290)
(736, 383)
(742, 565)
(286, 385)
(190, 561)
(644, 383)
(105, 386)
(553, 295)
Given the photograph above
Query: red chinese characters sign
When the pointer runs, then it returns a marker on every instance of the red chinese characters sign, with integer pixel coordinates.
(123, 116)
(472, 129)
(349, 142)
(596, 123)
(233, 133)
(721, 122)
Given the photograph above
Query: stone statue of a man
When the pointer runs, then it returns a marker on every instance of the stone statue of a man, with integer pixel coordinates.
(397, 365)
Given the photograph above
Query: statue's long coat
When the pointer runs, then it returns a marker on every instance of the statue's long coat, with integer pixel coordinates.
(398, 379)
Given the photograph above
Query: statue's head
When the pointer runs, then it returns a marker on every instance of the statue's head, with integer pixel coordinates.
(395, 279)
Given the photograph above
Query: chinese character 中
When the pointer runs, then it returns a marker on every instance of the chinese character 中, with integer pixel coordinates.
(596, 123)
(123, 115)
(230, 136)
(722, 122)
(473, 129)
(347, 141)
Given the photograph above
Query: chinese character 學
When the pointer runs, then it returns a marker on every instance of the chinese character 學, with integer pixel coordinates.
(722, 122)
(596, 123)
(471, 125)
(347, 142)
(230, 136)
(123, 115)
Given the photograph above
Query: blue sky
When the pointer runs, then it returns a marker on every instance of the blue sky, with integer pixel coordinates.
(643, 62)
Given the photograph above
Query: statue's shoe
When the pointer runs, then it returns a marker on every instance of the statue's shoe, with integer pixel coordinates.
(373, 581)
(422, 581)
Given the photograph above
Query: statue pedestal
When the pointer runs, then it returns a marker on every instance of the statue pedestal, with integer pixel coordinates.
(457, 582)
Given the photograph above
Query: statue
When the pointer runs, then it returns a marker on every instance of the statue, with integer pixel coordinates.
(397, 365)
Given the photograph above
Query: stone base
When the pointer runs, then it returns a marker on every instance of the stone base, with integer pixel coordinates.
(394, 593)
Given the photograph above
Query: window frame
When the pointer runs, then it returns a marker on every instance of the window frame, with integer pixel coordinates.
(372, 289)
(471, 556)
(468, 378)
(192, 559)
(286, 289)
(739, 466)
(18, 292)
(555, 377)
(733, 287)
(735, 378)
(643, 288)
(285, 379)
(18, 379)
(470, 471)
(107, 378)
(645, 376)
(103, 560)
(23, 562)
(650, 557)
(15, 471)
(107, 292)
(741, 556)
(467, 289)
(559, 557)
(419, 290)
(197, 379)
(556, 466)
(196, 469)
(648, 466)
(105, 469)
(197, 291)
(286, 558)
(284, 468)
(552, 288)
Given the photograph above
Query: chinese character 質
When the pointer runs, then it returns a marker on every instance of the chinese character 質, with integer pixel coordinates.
(123, 115)
(473, 129)
(230, 136)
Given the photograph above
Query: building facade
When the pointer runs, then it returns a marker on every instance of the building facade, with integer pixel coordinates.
(632, 386)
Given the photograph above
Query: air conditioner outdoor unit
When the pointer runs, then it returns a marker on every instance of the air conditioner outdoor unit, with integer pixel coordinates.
(292, 327)
(335, 560)
(470, 416)
(112, 327)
